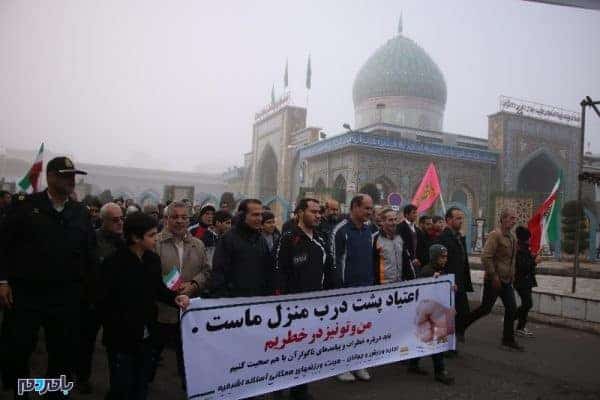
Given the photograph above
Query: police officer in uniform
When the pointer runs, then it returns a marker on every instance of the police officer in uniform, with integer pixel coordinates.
(46, 254)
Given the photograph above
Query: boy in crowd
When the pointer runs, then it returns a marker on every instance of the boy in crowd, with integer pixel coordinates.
(132, 283)
(438, 256)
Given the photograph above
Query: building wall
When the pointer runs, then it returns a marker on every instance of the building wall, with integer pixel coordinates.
(404, 172)
(401, 111)
(520, 139)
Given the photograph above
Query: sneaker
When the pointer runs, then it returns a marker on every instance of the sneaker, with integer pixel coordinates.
(363, 375)
(346, 377)
(528, 332)
(84, 387)
(417, 371)
(512, 345)
(444, 378)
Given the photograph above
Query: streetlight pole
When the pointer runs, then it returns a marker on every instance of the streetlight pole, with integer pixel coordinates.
(587, 102)
(579, 208)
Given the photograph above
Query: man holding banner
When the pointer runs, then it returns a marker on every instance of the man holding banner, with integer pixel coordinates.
(354, 252)
(304, 263)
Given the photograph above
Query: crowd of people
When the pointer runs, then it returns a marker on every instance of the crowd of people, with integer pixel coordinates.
(114, 258)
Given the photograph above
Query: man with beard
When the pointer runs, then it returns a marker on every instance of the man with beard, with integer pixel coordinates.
(46, 250)
(304, 263)
(458, 264)
(330, 218)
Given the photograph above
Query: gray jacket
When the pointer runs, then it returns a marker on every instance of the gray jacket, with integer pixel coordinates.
(391, 253)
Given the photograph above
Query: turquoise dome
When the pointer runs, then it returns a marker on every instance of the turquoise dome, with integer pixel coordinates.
(400, 68)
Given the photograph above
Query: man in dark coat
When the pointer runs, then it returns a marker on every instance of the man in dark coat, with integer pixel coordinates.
(46, 257)
(242, 263)
(410, 233)
(458, 264)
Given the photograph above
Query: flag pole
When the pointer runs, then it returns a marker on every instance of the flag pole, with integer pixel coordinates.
(443, 204)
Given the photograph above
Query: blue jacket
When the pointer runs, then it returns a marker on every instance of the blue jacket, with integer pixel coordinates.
(355, 254)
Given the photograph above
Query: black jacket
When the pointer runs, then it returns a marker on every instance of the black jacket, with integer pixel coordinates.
(40, 244)
(242, 264)
(458, 259)
(525, 268)
(409, 270)
(304, 264)
(326, 226)
(423, 245)
(130, 288)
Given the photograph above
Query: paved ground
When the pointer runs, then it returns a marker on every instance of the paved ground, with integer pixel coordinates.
(559, 363)
(551, 267)
(587, 288)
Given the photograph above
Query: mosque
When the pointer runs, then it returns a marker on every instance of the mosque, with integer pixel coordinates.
(399, 98)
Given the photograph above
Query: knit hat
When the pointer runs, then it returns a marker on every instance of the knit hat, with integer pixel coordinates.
(435, 251)
(207, 207)
(523, 234)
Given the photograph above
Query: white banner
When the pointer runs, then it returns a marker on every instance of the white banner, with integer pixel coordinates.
(243, 347)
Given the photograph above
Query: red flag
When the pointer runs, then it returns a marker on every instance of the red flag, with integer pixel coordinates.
(428, 191)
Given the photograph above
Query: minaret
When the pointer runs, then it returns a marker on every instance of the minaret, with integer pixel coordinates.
(400, 25)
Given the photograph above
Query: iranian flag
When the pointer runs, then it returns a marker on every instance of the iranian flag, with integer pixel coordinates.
(32, 177)
(544, 224)
(173, 279)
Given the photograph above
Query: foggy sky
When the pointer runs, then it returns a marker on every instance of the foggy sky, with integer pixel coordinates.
(175, 84)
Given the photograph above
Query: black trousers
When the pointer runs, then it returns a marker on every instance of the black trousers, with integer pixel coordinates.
(89, 328)
(129, 373)
(438, 362)
(490, 295)
(55, 307)
(167, 335)
(461, 305)
(6, 358)
(526, 304)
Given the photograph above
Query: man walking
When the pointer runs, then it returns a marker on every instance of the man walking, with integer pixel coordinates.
(242, 265)
(354, 251)
(392, 248)
(182, 254)
(46, 250)
(498, 259)
(458, 264)
(331, 217)
(304, 263)
(410, 236)
(109, 238)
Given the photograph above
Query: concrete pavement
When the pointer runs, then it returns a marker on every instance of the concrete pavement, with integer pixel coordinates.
(560, 363)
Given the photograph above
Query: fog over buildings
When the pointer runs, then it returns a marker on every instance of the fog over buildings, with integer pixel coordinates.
(175, 85)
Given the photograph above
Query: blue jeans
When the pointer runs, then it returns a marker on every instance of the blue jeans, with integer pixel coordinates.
(129, 373)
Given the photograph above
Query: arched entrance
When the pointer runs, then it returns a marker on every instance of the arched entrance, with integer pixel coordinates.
(385, 186)
(148, 197)
(320, 186)
(464, 196)
(267, 174)
(538, 174)
(339, 189)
